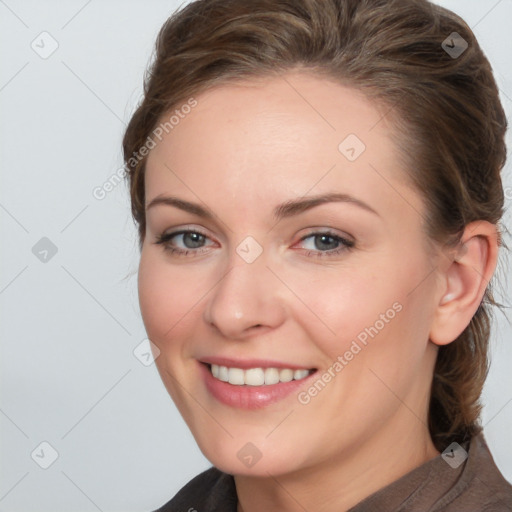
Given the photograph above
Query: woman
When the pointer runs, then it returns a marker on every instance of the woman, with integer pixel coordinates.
(318, 195)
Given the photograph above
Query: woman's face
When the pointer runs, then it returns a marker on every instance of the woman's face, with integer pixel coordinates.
(291, 247)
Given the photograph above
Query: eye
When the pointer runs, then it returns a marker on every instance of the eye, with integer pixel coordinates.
(191, 239)
(324, 244)
(184, 242)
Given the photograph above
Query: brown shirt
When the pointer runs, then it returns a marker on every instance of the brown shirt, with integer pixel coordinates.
(443, 484)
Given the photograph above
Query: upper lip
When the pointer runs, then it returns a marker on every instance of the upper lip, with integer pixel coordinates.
(245, 364)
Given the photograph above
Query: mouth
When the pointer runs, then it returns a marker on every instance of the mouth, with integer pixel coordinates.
(257, 376)
(258, 384)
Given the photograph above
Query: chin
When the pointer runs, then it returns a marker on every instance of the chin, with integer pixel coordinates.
(251, 455)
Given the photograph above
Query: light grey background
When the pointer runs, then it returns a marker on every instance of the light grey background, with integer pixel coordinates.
(69, 325)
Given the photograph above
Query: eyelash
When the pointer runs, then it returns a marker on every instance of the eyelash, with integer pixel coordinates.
(346, 245)
(165, 238)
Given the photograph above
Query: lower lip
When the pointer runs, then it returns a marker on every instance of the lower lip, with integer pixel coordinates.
(249, 397)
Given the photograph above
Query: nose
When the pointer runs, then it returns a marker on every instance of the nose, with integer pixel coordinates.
(247, 299)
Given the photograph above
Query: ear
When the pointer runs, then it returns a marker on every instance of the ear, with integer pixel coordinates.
(464, 280)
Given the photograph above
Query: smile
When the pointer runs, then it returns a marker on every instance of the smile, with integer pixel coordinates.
(256, 376)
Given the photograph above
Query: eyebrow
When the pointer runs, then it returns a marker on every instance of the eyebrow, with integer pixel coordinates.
(186, 206)
(296, 206)
(284, 210)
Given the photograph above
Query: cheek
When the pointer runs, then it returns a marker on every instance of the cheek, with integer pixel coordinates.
(369, 305)
(335, 305)
(166, 299)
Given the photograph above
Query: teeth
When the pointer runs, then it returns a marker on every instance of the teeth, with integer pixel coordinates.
(223, 373)
(285, 375)
(300, 374)
(271, 376)
(236, 376)
(256, 376)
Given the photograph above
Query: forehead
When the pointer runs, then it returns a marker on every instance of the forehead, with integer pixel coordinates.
(276, 138)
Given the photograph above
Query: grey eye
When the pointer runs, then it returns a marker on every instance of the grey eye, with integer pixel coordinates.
(192, 240)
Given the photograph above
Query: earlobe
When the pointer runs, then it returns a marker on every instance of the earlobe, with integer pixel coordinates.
(464, 281)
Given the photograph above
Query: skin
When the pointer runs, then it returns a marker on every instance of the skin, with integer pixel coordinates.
(243, 150)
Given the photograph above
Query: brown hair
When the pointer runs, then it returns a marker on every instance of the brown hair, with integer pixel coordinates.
(445, 111)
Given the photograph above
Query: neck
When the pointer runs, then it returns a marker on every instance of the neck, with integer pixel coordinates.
(341, 483)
